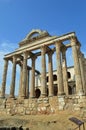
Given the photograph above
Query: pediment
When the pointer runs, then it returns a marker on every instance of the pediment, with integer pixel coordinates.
(34, 35)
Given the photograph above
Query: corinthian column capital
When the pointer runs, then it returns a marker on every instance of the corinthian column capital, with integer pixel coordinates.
(58, 44)
(33, 58)
(14, 58)
(43, 49)
(25, 54)
(73, 41)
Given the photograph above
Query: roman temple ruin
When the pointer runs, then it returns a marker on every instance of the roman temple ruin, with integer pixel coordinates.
(45, 91)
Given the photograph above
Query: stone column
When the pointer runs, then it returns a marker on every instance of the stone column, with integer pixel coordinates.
(59, 69)
(12, 86)
(20, 82)
(64, 70)
(43, 72)
(27, 85)
(82, 71)
(32, 88)
(50, 72)
(83, 60)
(24, 76)
(79, 88)
(4, 78)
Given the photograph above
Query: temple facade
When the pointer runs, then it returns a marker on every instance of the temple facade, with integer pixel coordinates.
(41, 40)
(44, 83)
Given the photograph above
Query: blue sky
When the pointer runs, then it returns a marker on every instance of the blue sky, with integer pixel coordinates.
(19, 17)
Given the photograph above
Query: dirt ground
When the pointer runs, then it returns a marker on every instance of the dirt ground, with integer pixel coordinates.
(59, 121)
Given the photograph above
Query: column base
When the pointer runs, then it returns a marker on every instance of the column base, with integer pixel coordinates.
(43, 95)
(22, 97)
(11, 96)
(61, 94)
(32, 97)
(81, 93)
(51, 95)
(2, 97)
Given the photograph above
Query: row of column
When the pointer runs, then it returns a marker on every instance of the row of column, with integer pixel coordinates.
(62, 80)
(78, 68)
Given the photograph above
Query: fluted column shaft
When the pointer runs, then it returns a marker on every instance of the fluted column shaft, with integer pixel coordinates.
(43, 72)
(59, 70)
(50, 72)
(64, 70)
(27, 86)
(32, 88)
(79, 88)
(83, 60)
(20, 82)
(12, 86)
(24, 78)
(4, 78)
(82, 71)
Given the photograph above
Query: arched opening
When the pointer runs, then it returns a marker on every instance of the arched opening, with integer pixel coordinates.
(54, 77)
(38, 93)
(34, 33)
(68, 75)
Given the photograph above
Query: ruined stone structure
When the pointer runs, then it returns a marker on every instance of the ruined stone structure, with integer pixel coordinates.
(71, 88)
(48, 101)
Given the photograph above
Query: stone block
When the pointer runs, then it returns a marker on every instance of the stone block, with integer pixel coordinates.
(82, 97)
(43, 108)
(8, 111)
(27, 112)
(33, 105)
(61, 99)
(61, 107)
(40, 100)
(33, 112)
(80, 100)
(25, 128)
(46, 101)
(20, 109)
(38, 109)
(26, 101)
(34, 109)
(77, 96)
(77, 109)
(30, 105)
(52, 110)
(75, 101)
(31, 108)
(26, 105)
(47, 105)
(2, 106)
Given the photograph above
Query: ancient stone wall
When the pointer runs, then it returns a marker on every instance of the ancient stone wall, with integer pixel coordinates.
(48, 105)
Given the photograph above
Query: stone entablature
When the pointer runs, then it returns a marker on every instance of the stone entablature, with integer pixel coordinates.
(30, 38)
